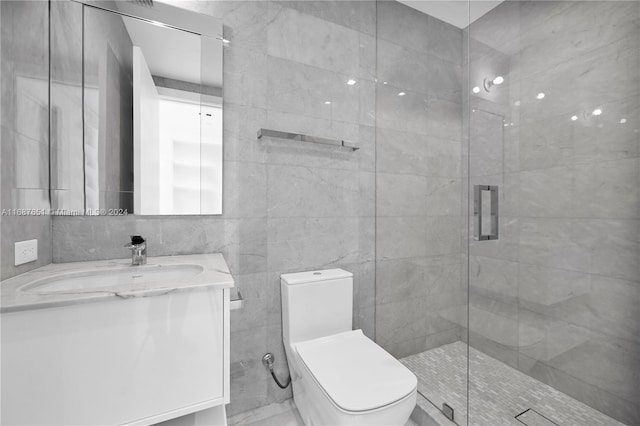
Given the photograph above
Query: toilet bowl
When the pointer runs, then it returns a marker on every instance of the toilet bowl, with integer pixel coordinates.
(339, 376)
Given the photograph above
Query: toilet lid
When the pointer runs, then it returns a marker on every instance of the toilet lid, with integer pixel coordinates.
(354, 372)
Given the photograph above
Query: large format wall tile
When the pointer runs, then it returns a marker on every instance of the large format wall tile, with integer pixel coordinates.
(288, 206)
(25, 130)
(312, 41)
(401, 195)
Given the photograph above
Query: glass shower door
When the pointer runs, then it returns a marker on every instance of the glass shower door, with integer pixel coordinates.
(554, 213)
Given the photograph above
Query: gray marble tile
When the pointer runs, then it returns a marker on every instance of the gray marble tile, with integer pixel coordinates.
(368, 53)
(357, 15)
(607, 138)
(302, 89)
(614, 306)
(550, 286)
(246, 245)
(504, 353)
(493, 317)
(401, 195)
(579, 29)
(443, 274)
(312, 192)
(618, 374)
(547, 193)
(400, 279)
(366, 154)
(545, 144)
(405, 67)
(405, 348)
(309, 40)
(553, 243)
(443, 196)
(402, 152)
(613, 246)
(311, 243)
(546, 338)
(248, 379)
(443, 157)
(444, 79)
(245, 190)
(608, 189)
(411, 112)
(399, 237)
(403, 25)
(444, 40)
(486, 143)
(404, 320)
(95, 238)
(246, 23)
(575, 84)
(245, 77)
(507, 246)
(443, 235)
(495, 276)
(444, 119)
(241, 124)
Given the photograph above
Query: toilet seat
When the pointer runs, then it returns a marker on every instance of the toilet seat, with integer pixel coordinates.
(355, 373)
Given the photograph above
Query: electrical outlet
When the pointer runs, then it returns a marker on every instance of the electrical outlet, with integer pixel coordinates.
(26, 251)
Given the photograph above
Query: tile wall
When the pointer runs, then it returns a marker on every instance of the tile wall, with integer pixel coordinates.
(286, 207)
(25, 140)
(419, 291)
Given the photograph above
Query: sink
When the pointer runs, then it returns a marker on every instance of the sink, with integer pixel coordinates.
(104, 279)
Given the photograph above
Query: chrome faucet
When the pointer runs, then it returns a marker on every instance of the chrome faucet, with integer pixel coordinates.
(138, 247)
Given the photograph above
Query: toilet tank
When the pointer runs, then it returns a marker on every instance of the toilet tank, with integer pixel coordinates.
(316, 304)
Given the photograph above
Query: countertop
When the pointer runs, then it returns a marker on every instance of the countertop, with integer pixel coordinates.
(14, 296)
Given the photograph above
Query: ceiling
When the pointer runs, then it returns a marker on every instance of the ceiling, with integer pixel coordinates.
(459, 13)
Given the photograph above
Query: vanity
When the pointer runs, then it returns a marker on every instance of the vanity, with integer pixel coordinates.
(107, 343)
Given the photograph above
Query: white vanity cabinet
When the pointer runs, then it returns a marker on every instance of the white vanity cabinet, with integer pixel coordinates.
(134, 359)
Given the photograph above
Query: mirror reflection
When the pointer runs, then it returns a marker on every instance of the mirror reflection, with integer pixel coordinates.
(151, 121)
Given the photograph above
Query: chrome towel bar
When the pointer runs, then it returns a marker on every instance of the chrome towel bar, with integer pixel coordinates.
(306, 138)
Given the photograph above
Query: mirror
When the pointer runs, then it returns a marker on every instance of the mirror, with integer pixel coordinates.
(148, 139)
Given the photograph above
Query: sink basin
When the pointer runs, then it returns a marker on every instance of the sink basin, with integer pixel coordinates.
(104, 279)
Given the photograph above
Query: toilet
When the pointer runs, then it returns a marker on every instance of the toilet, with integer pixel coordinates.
(339, 376)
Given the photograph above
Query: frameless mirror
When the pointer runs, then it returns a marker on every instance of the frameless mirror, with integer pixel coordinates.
(150, 99)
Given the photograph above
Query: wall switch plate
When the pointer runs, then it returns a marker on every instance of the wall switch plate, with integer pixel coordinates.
(26, 251)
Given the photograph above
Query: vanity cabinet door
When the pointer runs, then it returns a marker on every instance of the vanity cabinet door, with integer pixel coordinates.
(125, 361)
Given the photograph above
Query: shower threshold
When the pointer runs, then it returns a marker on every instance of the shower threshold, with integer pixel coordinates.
(498, 393)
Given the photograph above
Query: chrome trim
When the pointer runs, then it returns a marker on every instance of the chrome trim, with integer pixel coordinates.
(478, 235)
(306, 138)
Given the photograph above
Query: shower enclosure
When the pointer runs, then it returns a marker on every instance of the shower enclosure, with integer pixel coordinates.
(508, 209)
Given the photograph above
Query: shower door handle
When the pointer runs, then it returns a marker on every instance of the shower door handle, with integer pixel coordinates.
(479, 234)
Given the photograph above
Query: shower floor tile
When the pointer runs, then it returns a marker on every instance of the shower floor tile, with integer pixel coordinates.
(498, 393)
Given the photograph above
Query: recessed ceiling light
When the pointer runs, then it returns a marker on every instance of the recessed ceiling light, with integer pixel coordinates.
(476, 89)
(351, 82)
(327, 102)
(517, 103)
(623, 120)
(540, 95)
(597, 111)
(574, 117)
(498, 80)
(384, 82)
(401, 94)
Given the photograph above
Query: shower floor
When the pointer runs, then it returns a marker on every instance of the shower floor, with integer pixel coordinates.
(498, 393)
